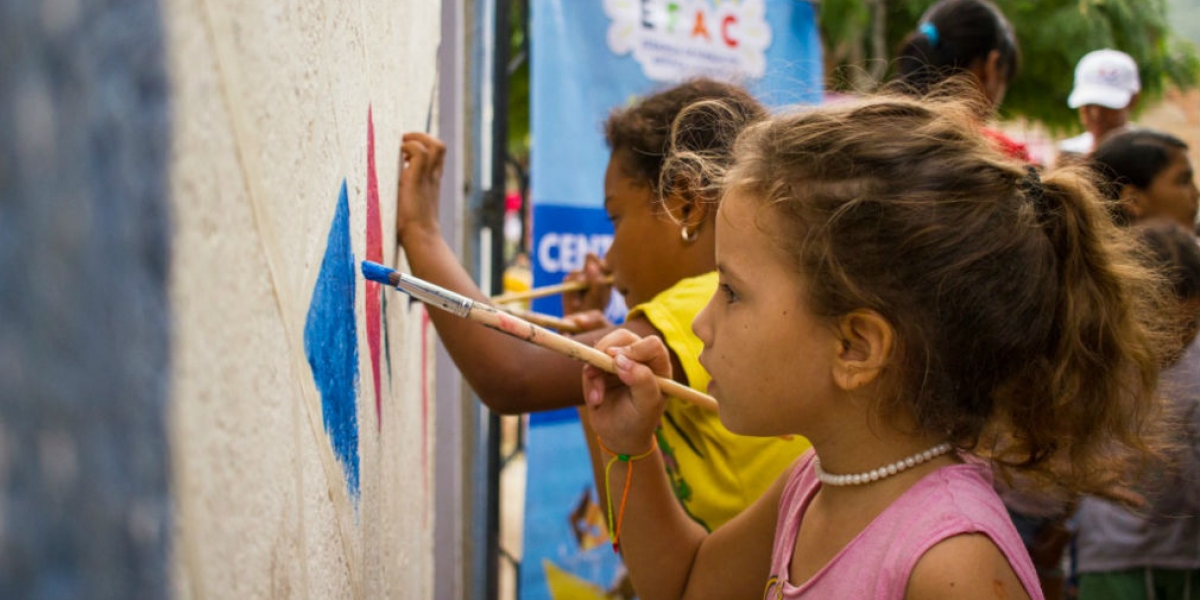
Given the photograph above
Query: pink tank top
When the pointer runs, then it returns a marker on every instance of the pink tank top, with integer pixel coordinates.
(877, 563)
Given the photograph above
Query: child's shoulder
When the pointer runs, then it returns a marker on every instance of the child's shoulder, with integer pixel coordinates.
(963, 490)
(966, 489)
(966, 532)
(967, 565)
(951, 515)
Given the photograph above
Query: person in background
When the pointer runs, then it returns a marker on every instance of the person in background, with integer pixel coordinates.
(968, 41)
(1146, 173)
(1105, 93)
(1153, 552)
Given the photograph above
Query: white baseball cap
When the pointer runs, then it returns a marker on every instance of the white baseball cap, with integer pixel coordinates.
(1107, 78)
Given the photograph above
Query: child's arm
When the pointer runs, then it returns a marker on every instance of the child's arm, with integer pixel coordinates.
(508, 374)
(668, 554)
(964, 566)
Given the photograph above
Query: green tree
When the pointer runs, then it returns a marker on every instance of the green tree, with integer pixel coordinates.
(518, 80)
(862, 37)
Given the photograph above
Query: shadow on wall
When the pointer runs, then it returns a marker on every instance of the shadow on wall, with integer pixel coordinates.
(84, 253)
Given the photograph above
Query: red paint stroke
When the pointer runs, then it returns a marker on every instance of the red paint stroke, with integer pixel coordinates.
(374, 253)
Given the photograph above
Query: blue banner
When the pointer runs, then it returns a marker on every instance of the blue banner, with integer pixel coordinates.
(588, 57)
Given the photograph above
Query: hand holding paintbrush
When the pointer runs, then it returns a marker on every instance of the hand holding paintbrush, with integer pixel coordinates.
(496, 366)
(585, 295)
(495, 319)
(598, 278)
(586, 289)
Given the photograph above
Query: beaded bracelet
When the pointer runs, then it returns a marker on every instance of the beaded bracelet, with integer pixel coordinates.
(616, 456)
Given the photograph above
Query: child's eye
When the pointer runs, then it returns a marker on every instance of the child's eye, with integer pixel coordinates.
(730, 295)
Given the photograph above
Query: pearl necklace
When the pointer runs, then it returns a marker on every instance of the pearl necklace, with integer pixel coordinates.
(882, 472)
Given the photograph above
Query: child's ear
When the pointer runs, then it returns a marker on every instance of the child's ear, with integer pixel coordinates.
(1133, 201)
(995, 67)
(867, 341)
(689, 209)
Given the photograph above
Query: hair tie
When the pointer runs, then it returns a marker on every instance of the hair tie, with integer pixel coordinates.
(930, 32)
(1031, 185)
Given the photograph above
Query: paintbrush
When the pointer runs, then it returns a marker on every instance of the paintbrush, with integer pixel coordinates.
(551, 321)
(493, 318)
(542, 292)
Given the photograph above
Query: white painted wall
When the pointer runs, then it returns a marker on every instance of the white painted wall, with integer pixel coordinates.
(269, 106)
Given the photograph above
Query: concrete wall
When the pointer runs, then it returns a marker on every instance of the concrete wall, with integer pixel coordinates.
(301, 417)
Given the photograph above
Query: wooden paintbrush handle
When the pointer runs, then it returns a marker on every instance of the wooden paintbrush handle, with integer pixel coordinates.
(561, 325)
(542, 292)
(517, 327)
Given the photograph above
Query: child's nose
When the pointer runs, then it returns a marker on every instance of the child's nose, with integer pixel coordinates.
(700, 326)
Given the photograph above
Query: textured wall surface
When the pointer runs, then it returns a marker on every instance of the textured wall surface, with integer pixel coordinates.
(300, 394)
(84, 251)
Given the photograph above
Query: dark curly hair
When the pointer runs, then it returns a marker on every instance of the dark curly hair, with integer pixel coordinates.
(643, 130)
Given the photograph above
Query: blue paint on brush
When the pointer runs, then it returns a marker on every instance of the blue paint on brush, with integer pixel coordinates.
(374, 271)
(331, 342)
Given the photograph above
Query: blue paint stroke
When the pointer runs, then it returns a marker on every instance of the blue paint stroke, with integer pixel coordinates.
(331, 342)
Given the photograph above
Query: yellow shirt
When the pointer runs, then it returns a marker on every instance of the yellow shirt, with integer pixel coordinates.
(715, 473)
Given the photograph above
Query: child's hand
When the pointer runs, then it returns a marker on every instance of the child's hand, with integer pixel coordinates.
(422, 158)
(624, 409)
(597, 294)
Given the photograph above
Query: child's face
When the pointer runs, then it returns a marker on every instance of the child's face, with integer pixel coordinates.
(1172, 193)
(1102, 118)
(770, 358)
(645, 256)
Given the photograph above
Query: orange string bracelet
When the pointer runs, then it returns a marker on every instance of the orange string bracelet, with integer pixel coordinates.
(616, 456)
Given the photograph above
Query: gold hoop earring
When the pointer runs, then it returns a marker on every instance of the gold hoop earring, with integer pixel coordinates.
(688, 235)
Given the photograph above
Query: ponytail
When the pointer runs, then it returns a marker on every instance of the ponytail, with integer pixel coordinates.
(1083, 414)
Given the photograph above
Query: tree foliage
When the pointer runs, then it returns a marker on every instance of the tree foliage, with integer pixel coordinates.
(518, 79)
